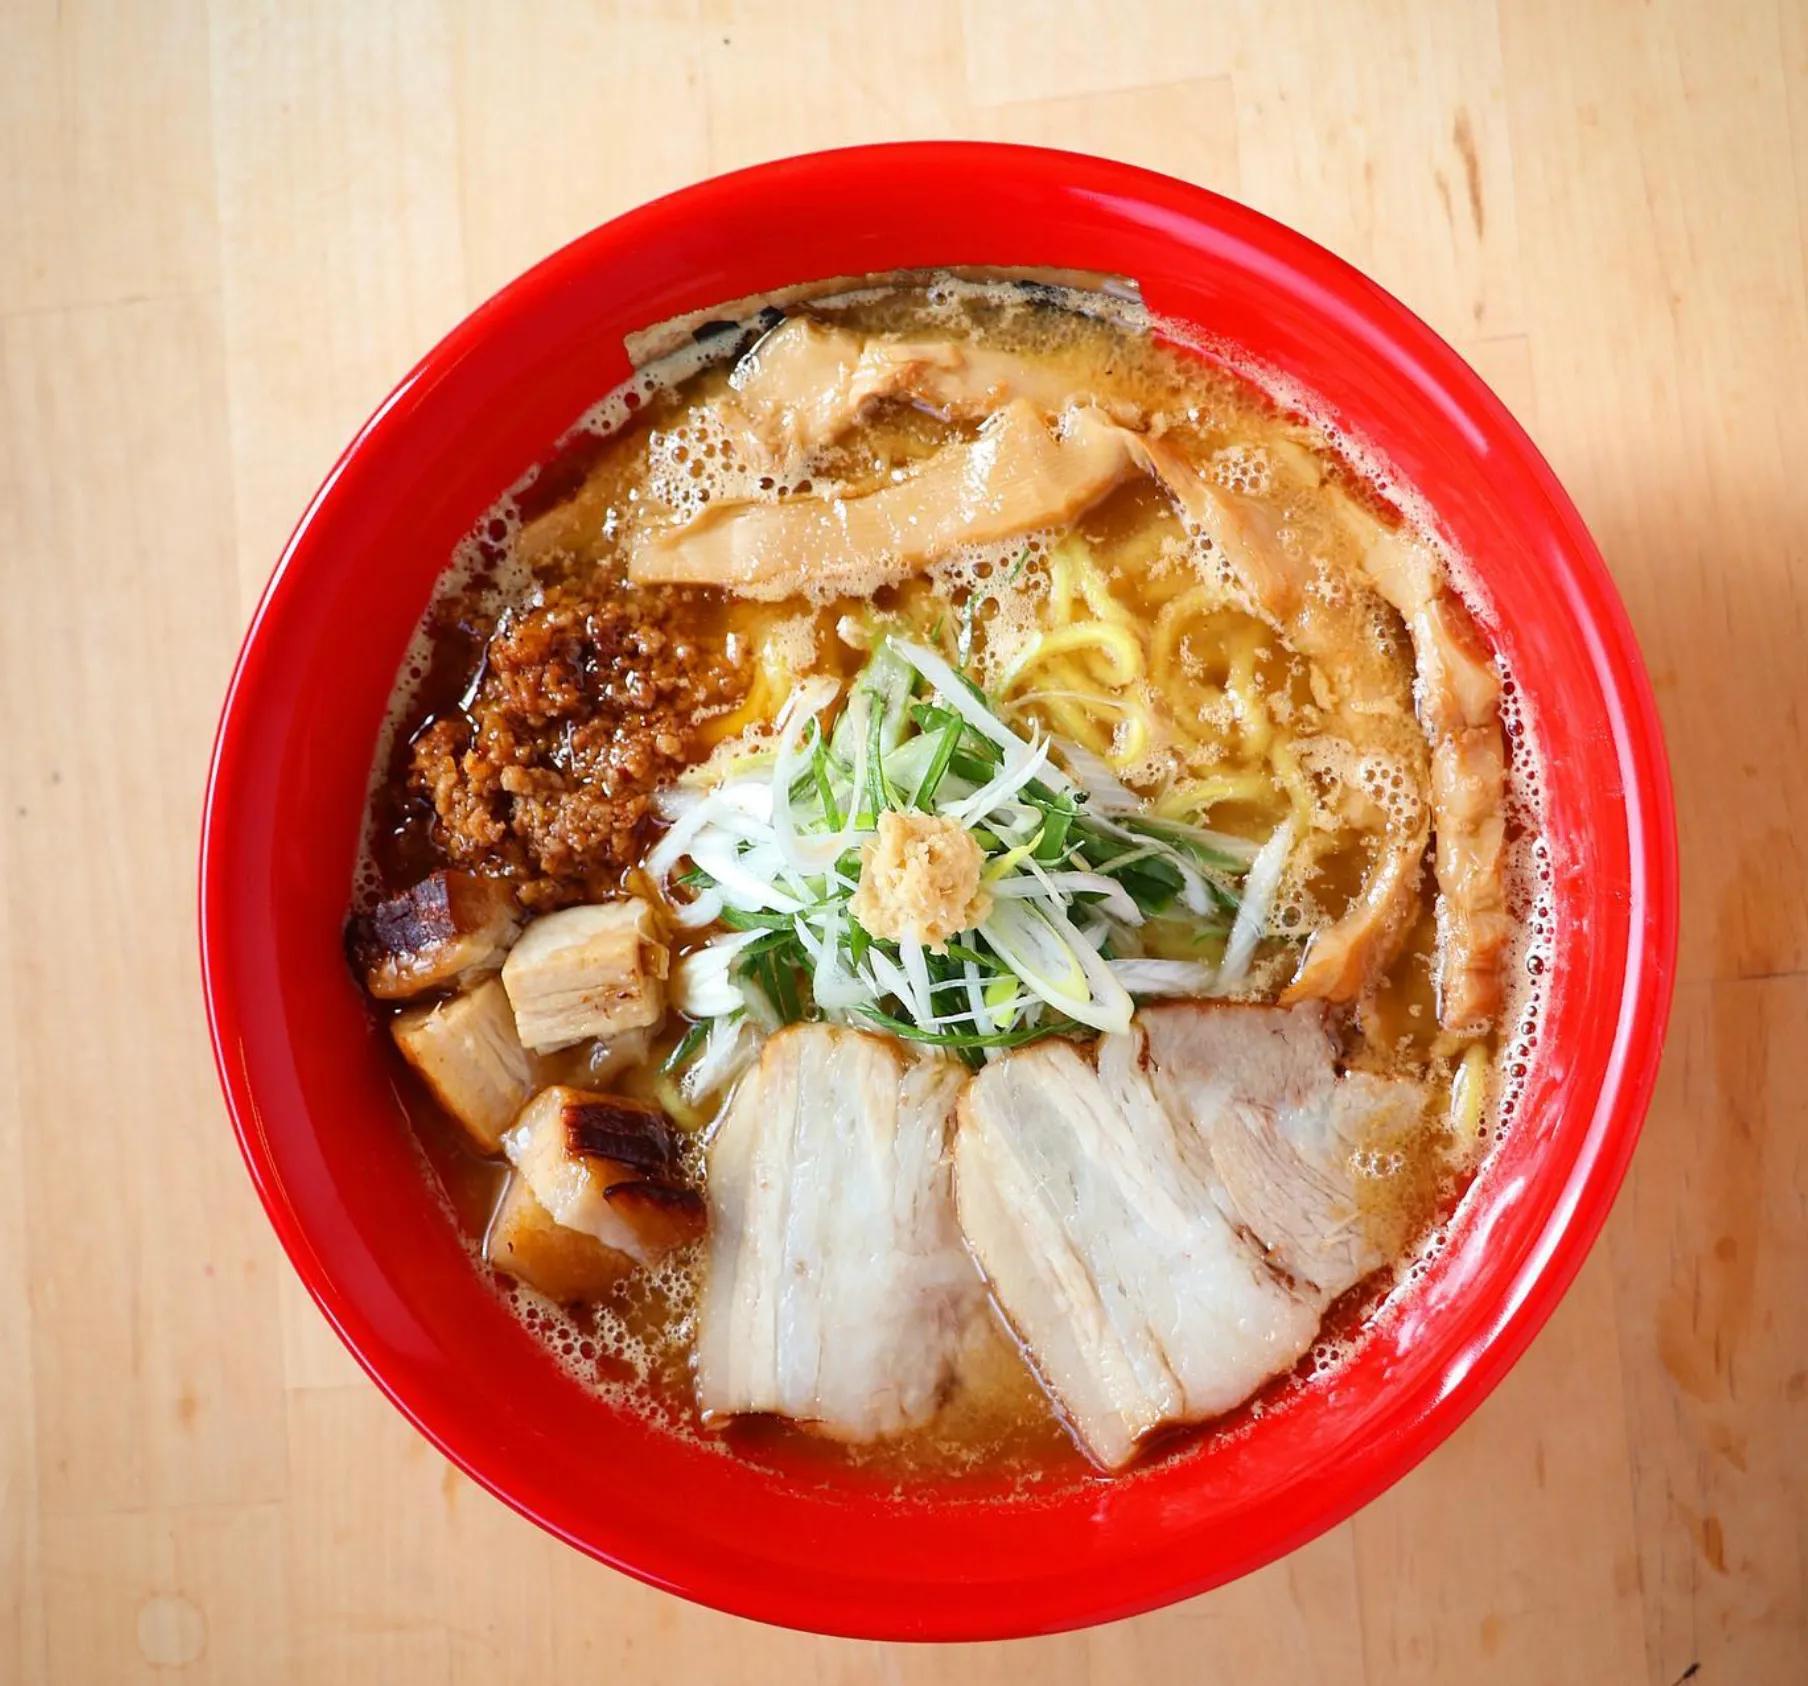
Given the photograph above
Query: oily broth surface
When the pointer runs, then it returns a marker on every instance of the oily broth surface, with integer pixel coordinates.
(664, 460)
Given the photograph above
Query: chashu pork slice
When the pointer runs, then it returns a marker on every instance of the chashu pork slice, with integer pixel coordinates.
(1282, 1127)
(837, 1289)
(1020, 474)
(1094, 1214)
(807, 382)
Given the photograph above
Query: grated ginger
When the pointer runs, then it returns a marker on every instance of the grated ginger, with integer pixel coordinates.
(919, 880)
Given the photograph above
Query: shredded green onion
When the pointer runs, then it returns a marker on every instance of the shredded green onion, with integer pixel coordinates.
(1062, 948)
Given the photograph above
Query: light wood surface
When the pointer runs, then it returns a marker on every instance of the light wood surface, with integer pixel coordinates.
(225, 229)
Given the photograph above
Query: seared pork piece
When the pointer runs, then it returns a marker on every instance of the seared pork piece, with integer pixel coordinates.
(587, 971)
(1095, 1214)
(1260, 1087)
(806, 383)
(564, 1264)
(1018, 475)
(837, 1287)
(450, 926)
(608, 1167)
(468, 1054)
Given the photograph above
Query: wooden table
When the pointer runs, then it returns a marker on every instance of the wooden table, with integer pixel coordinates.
(226, 229)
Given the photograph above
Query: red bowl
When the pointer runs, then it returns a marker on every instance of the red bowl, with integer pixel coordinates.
(310, 1084)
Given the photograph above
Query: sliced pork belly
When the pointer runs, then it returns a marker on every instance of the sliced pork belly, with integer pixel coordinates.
(1020, 474)
(807, 383)
(448, 928)
(608, 1167)
(837, 1287)
(1165, 1231)
(1260, 1087)
(1095, 1215)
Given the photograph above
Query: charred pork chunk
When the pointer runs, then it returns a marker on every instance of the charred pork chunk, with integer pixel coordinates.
(837, 1289)
(447, 928)
(565, 1265)
(1165, 1231)
(587, 971)
(468, 1054)
(608, 1167)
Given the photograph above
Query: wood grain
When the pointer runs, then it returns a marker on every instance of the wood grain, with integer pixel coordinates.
(226, 228)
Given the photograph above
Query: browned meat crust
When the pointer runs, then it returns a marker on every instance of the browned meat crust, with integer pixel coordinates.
(662, 1215)
(449, 924)
(587, 703)
(631, 1133)
(634, 1149)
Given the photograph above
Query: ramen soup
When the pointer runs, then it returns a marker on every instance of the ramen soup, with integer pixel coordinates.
(954, 878)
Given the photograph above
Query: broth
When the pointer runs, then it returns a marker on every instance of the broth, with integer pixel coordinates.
(1120, 631)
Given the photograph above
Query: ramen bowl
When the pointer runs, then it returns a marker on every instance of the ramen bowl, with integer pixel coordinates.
(309, 1078)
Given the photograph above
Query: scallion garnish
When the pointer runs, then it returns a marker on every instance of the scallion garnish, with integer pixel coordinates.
(1069, 883)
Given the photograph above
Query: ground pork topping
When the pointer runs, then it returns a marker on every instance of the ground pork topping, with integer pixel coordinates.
(919, 880)
(585, 706)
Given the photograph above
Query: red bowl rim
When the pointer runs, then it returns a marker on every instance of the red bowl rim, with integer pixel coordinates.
(1631, 1070)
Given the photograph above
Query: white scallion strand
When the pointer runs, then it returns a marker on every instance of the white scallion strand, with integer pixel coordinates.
(1251, 923)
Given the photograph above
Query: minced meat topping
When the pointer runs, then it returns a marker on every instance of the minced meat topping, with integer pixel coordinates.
(586, 705)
